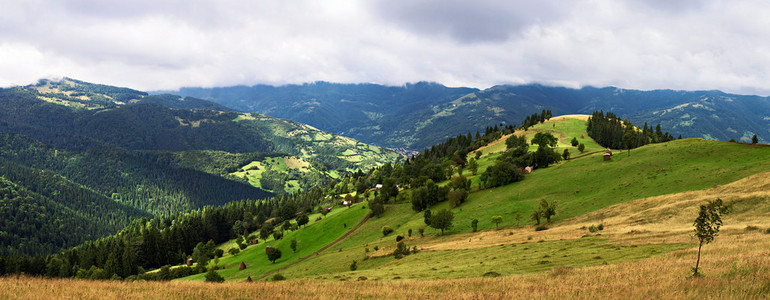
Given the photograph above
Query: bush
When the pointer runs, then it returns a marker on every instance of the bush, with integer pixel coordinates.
(213, 276)
(386, 230)
(278, 277)
(219, 252)
(491, 274)
(475, 224)
(421, 230)
(354, 266)
(541, 228)
(399, 238)
(600, 227)
(410, 232)
(233, 251)
(593, 228)
(401, 250)
(767, 231)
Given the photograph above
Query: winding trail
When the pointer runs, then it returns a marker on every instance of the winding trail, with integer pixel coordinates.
(344, 236)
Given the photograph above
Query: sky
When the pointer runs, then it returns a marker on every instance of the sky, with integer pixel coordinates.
(168, 44)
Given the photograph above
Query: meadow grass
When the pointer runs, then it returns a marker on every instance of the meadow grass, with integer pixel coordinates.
(734, 267)
(311, 238)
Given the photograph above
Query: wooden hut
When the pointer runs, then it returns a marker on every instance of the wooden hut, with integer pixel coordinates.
(248, 279)
(242, 266)
(607, 155)
(189, 261)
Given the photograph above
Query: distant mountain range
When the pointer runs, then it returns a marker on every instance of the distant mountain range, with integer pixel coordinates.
(416, 116)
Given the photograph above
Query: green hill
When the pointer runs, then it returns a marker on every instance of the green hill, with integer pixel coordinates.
(588, 190)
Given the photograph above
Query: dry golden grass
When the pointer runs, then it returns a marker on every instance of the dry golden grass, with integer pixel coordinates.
(661, 219)
(579, 117)
(735, 266)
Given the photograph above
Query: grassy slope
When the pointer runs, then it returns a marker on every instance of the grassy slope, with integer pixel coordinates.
(580, 186)
(647, 202)
(311, 238)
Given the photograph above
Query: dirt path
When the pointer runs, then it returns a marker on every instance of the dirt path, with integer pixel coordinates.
(316, 252)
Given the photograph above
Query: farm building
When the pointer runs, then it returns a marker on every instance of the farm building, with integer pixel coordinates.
(607, 155)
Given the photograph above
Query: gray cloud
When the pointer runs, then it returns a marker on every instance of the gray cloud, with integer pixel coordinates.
(469, 21)
(167, 44)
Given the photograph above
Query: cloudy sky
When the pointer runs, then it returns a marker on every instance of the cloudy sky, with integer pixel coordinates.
(154, 44)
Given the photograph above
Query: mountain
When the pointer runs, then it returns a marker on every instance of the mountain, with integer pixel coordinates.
(106, 156)
(389, 116)
(417, 116)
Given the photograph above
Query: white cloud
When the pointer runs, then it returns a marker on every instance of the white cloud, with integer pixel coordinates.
(167, 44)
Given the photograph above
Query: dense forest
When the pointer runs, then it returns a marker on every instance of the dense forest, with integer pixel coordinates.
(612, 132)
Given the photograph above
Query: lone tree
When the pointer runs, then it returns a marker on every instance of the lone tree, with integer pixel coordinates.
(581, 148)
(442, 220)
(754, 139)
(273, 254)
(566, 154)
(629, 139)
(302, 220)
(548, 210)
(535, 216)
(497, 220)
(293, 245)
(707, 225)
(574, 142)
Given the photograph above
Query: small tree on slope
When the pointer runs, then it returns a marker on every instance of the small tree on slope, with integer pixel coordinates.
(707, 225)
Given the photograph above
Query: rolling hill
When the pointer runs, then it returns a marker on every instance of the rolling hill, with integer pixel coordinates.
(417, 116)
(644, 201)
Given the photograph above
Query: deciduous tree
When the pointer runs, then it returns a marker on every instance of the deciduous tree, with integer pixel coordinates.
(707, 225)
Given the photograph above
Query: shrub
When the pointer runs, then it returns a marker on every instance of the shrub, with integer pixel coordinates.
(497, 220)
(767, 231)
(600, 227)
(399, 238)
(401, 250)
(752, 228)
(410, 232)
(593, 228)
(233, 251)
(354, 266)
(213, 276)
(491, 274)
(278, 277)
(421, 230)
(219, 252)
(376, 248)
(475, 224)
(386, 230)
(541, 228)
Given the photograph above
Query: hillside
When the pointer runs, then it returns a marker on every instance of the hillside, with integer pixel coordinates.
(645, 203)
(421, 115)
(154, 155)
(618, 223)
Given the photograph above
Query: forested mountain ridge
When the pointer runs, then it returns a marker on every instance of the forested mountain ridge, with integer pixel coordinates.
(419, 115)
(106, 156)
